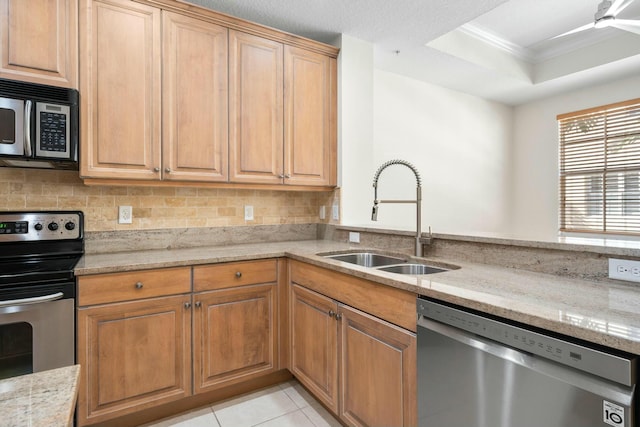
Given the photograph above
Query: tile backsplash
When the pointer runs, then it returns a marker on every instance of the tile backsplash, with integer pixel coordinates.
(156, 207)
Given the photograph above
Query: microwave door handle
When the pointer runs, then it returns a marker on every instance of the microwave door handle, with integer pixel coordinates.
(27, 128)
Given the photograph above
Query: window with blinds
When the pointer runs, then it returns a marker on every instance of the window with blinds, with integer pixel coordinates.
(600, 169)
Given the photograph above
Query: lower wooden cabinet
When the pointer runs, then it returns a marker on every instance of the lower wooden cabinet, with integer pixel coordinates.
(314, 344)
(234, 335)
(134, 355)
(138, 333)
(377, 371)
(147, 338)
(361, 367)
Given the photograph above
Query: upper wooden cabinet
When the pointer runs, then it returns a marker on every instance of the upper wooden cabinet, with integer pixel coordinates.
(194, 99)
(39, 41)
(120, 87)
(256, 105)
(310, 118)
(179, 93)
(282, 104)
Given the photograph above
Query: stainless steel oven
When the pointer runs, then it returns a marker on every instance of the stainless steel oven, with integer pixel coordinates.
(479, 371)
(38, 125)
(38, 252)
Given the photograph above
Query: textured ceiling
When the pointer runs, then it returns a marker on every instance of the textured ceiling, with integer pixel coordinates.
(390, 23)
(427, 34)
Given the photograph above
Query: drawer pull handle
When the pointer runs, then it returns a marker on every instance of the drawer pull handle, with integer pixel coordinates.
(187, 305)
(139, 285)
(238, 274)
(198, 304)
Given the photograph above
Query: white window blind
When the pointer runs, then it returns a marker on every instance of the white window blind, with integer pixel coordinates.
(600, 169)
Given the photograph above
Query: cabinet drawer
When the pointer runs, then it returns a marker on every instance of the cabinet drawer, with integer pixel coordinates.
(220, 276)
(132, 285)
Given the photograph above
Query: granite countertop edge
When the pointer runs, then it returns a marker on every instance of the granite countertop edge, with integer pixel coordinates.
(42, 399)
(604, 313)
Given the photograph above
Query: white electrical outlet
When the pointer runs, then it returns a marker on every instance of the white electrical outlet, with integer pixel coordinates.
(125, 214)
(248, 213)
(624, 269)
(335, 212)
(323, 212)
(354, 237)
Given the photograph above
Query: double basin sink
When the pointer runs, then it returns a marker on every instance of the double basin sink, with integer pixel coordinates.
(388, 263)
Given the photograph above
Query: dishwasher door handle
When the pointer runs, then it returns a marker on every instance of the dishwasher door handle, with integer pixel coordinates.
(591, 383)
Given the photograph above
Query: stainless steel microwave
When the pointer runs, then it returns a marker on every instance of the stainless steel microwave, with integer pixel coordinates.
(38, 126)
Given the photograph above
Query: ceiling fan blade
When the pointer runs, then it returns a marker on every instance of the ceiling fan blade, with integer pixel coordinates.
(627, 25)
(576, 30)
(617, 7)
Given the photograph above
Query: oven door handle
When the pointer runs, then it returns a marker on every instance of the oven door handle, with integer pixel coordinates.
(34, 300)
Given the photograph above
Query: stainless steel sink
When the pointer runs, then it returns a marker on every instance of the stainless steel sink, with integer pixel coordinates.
(388, 263)
(411, 269)
(367, 259)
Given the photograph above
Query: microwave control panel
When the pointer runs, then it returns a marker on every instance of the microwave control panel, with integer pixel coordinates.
(52, 130)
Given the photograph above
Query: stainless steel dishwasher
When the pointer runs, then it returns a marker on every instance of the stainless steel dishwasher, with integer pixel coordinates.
(476, 371)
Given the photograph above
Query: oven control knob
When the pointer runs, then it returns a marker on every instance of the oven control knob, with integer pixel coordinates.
(53, 226)
(38, 227)
(70, 225)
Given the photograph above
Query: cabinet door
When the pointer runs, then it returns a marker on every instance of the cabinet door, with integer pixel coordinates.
(378, 371)
(120, 87)
(134, 355)
(310, 118)
(195, 113)
(235, 335)
(39, 41)
(314, 337)
(255, 108)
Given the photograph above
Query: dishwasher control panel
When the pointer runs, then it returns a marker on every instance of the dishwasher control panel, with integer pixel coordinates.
(606, 365)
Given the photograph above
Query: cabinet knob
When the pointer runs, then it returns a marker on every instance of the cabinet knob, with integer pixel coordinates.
(139, 285)
(187, 305)
(238, 274)
(167, 170)
(287, 175)
(281, 176)
(198, 304)
(332, 313)
(156, 169)
(338, 316)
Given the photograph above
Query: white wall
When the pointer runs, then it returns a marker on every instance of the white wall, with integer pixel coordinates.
(458, 142)
(535, 154)
(355, 123)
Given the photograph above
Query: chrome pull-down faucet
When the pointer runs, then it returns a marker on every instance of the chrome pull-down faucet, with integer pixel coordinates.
(417, 201)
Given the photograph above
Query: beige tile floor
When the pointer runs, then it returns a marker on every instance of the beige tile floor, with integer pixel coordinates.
(284, 405)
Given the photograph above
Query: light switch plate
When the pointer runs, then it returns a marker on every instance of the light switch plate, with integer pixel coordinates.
(335, 212)
(125, 214)
(248, 213)
(354, 237)
(323, 212)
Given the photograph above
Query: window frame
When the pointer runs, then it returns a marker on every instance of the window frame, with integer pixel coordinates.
(599, 150)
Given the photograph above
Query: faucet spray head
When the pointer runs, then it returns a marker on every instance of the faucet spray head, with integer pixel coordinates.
(374, 211)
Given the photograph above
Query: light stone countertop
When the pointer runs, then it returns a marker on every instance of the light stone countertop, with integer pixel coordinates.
(42, 399)
(603, 313)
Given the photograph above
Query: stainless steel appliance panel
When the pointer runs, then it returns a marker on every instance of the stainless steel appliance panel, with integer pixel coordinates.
(53, 329)
(465, 379)
(12, 126)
